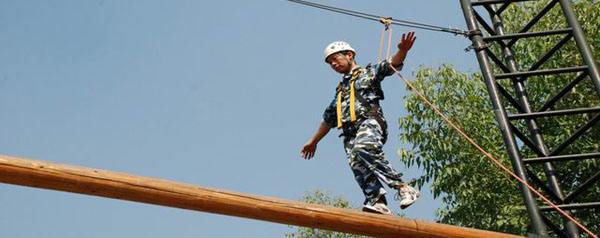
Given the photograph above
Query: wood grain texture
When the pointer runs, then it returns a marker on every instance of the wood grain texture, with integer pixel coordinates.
(123, 186)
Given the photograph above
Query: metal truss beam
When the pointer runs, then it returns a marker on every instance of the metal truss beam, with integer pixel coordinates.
(520, 129)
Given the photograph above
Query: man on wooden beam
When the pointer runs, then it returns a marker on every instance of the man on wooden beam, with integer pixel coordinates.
(356, 112)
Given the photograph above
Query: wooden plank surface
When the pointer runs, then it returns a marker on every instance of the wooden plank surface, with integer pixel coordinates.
(47, 175)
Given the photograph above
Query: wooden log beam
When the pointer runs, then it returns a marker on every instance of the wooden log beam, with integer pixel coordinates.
(123, 186)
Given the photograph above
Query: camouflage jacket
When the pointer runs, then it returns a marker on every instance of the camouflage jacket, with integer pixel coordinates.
(367, 85)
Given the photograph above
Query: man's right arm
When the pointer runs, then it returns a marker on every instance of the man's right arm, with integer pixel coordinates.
(308, 150)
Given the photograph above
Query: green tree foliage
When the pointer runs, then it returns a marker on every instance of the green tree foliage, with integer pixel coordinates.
(323, 198)
(475, 193)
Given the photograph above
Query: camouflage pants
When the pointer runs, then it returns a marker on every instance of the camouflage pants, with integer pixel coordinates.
(365, 155)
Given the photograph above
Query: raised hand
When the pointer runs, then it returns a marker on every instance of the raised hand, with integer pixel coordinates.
(407, 42)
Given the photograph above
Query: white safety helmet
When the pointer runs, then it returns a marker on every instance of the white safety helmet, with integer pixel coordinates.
(337, 46)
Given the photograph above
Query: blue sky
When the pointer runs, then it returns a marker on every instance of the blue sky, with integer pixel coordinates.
(221, 94)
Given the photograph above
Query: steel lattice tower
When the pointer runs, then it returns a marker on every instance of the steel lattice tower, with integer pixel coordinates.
(518, 117)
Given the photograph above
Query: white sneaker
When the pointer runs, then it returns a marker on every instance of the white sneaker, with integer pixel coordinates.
(380, 208)
(407, 196)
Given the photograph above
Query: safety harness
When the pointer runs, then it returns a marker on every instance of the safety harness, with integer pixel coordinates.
(373, 109)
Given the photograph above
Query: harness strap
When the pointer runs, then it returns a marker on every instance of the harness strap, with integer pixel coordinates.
(338, 106)
(373, 108)
(355, 74)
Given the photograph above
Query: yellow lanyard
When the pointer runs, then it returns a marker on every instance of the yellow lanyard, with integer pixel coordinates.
(355, 75)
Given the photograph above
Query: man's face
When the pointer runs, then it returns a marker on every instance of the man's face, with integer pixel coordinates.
(340, 62)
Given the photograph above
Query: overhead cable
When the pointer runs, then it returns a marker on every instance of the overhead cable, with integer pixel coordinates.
(378, 18)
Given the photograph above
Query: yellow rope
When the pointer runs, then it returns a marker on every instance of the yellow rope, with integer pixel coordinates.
(338, 107)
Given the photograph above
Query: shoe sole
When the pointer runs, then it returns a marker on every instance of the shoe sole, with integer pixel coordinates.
(369, 210)
(408, 205)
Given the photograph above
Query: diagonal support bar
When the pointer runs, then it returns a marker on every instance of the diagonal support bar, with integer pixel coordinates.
(583, 187)
(550, 103)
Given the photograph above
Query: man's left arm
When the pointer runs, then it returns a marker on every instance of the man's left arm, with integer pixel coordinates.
(403, 47)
